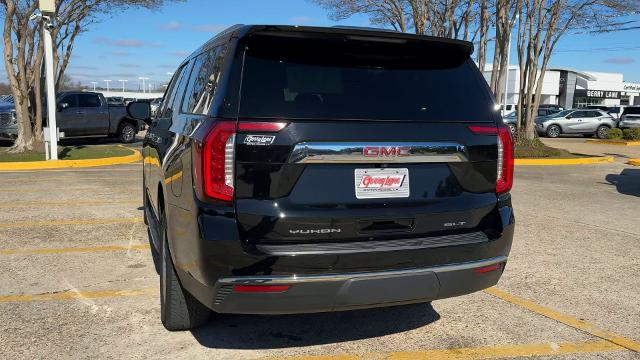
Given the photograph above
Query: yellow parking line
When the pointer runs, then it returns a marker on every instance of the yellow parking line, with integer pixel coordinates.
(566, 319)
(24, 224)
(75, 170)
(489, 352)
(68, 250)
(75, 294)
(68, 202)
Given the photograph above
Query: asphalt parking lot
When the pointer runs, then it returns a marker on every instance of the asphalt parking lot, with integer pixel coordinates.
(77, 281)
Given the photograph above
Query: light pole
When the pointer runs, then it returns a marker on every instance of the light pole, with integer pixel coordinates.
(107, 81)
(506, 78)
(143, 83)
(123, 81)
(94, 85)
(47, 15)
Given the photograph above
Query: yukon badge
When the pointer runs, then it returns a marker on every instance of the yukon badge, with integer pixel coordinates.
(314, 231)
(259, 139)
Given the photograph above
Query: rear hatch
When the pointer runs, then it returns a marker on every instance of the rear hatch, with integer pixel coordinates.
(371, 139)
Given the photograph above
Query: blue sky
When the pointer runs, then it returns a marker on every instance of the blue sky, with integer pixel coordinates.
(147, 43)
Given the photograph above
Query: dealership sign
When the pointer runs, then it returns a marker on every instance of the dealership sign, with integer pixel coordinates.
(632, 87)
(602, 94)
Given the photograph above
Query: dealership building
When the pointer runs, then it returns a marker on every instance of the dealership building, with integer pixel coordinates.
(572, 88)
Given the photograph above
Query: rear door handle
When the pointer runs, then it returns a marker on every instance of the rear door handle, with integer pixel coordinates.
(80, 112)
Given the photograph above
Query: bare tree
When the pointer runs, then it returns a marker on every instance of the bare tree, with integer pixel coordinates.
(506, 13)
(23, 50)
(542, 24)
(381, 12)
(19, 39)
(484, 22)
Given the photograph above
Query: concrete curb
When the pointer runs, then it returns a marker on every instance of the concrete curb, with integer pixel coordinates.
(634, 162)
(58, 164)
(614, 142)
(576, 161)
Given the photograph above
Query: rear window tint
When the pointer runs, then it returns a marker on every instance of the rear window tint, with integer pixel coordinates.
(366, 85)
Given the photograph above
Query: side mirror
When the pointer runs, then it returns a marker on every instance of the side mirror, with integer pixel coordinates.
(62, 106)
(140, 110)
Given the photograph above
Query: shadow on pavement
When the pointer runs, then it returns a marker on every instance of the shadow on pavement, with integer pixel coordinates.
(283, 331)
(627, 182)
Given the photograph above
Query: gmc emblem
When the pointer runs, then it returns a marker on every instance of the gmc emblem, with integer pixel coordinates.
(385, 151)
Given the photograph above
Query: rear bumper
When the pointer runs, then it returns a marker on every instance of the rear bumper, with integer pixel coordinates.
(629, 124)
(335, 292)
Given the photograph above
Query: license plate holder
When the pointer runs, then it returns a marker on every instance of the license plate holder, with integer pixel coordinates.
(382, 183)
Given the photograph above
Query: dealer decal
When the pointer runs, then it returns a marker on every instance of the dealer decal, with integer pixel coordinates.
(259, 139)
(382, 181)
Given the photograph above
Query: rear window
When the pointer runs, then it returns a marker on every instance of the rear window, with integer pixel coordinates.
(360, 80)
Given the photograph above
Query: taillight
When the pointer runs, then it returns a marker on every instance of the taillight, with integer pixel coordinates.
(504, 180)
(504, 176)
(217, 161)
(216, 155)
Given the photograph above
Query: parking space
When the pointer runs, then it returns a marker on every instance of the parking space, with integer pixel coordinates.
(77, 280)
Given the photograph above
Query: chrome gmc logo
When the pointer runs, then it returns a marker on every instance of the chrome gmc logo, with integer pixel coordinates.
(386, 151)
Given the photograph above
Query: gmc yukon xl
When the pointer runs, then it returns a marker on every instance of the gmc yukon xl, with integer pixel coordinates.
(307, 169)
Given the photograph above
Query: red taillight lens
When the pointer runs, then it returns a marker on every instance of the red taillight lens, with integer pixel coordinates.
(218, 151)
(488, 268)
(261, 126)
(504, 179)
(260, 288)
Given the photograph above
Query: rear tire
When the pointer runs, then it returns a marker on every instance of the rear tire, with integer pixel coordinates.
(553, 131)
(179, 310)
(602, 132)
(513, 129)
(126, 133)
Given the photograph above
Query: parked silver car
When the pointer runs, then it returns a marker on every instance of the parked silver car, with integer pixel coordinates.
(587, 122)
(630, 118)
(511, 119)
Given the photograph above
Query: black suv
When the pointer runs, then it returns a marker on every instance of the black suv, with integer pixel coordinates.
(306, 169)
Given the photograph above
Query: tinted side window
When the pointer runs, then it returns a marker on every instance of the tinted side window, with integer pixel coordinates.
(166, 109)
(89, 100)
(72, 100)
(204, 81)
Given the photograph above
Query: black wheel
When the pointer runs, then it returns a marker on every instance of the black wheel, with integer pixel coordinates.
(179, 310)
(602, 132)
(513, 129)
(553, 131)
(587, 135)
(126, 133)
